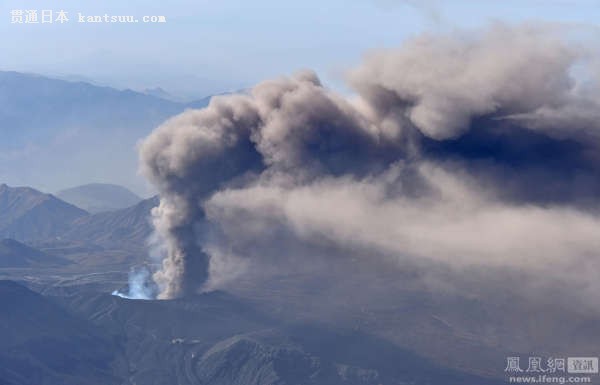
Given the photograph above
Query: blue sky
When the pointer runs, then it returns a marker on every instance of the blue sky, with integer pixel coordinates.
(213, 46)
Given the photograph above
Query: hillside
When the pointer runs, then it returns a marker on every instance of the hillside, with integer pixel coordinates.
(99, 197)
(219, 339)
(42, 344)
(59, 228)
(28, 214)
(129, 227)
(16, 254)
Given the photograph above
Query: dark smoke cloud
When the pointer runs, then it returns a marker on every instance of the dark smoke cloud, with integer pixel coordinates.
(438, 85)
(188, 158)
(465, 150)
(293, 127)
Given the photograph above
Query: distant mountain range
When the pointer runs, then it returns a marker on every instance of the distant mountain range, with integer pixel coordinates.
(27, 214)
(99, 197)
(31, 216)
(54, 131)
(36, 107)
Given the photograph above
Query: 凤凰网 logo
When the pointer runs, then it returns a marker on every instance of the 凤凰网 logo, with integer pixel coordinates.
(572, 365)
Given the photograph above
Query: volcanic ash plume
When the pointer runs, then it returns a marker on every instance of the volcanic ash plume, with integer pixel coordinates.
(408, 146)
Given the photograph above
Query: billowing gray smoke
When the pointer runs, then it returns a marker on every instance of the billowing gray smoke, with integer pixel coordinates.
(293, 127)
(435, 157)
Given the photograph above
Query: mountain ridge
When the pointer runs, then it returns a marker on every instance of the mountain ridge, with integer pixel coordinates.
(128, 227)
(48, 124)
(17, 254)
(99, 197)
(28, 214)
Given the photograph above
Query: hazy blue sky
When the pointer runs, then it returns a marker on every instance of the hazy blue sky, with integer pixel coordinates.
(219, 45)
